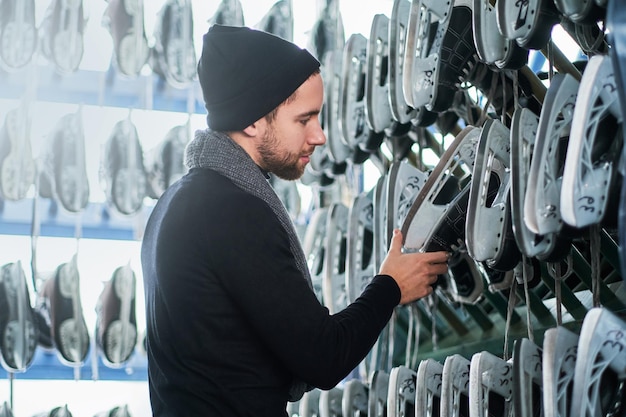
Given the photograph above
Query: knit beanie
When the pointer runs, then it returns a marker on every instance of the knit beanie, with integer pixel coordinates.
(246, 73)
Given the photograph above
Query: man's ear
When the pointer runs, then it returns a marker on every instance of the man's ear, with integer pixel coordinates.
(256, 128)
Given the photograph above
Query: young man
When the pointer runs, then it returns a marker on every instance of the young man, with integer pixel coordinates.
(233, 325)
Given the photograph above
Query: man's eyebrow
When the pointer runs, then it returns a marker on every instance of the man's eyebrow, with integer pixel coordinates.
(308, 113)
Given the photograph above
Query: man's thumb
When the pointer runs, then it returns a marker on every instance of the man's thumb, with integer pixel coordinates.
(396, 241)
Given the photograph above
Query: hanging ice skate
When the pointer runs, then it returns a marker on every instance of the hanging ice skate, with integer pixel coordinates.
(524, 126)
(428, 388)
(339, 149)
(529, 22)
(165, 163)
(116, 325)
(594, 148)
(445, 51)
(492, 47)
(401, 394)
(377, 106)
(327, 34)
(380, 221)
(614, 18)
(351, 111)
(287, 192)
(404, 184)
(17, 166)
(600, 373)
(436, 220)
(59, 305)
(122, 169)
(18, 34)
(377, 396)
(174, 54)
(314, 248)
(18, 328)
(542, 212)
(229, 13)
(354, 400)
(124, 19)
(560, 347)
(455, 382)
(117, 411)
(489, 235)
(360, 245)
(587, 12)
(63, 173)
(330, 402)
(527, 378)
(446, 185)
(491, 386)
(400, 109)
(62, 34)
(310, 403)
(279, 20)
(334, 279)
(56, 412)
(5, 410)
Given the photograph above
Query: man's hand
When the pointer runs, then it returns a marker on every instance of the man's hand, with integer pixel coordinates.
(415, 273)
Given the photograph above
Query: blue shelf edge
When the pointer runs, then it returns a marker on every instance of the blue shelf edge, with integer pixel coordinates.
(100, 88)
(46, 365)
(95, 221)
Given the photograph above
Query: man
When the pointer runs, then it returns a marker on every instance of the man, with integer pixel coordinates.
(233, 325)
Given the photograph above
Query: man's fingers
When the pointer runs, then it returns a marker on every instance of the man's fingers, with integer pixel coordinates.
(437, 257)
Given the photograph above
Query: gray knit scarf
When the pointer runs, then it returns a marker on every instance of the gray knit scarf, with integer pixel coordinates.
(218, 152)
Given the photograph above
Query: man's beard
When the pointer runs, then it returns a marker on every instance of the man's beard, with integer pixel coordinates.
(286, 166)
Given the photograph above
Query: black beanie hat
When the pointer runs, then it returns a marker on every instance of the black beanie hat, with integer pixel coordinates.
(246, 73)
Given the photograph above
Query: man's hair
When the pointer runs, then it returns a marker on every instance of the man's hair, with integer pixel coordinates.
(271, 116)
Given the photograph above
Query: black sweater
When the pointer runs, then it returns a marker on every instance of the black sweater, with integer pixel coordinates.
(230, 319)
